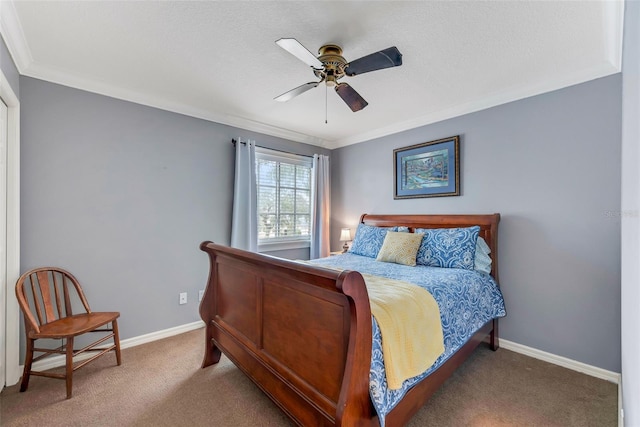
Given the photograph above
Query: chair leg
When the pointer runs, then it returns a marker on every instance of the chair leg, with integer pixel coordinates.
(69, 374)
(26, 374)
(116, 340)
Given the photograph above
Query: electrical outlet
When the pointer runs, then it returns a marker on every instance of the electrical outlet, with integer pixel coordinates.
(200, 294)
(183, 297)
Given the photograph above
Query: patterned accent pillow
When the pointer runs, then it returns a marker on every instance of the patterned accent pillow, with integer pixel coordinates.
(448, 247)
(369, 239)
(400, 248)
(483, 260)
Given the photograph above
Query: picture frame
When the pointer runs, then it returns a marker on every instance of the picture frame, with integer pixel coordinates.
(430, 169)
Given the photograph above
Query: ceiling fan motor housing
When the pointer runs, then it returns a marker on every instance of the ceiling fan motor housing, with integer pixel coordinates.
(334, 64)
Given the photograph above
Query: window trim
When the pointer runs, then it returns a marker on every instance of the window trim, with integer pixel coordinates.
(283, 245)
(279, 156)
(292, 242)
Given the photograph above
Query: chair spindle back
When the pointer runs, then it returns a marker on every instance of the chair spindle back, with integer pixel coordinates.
(50, 296)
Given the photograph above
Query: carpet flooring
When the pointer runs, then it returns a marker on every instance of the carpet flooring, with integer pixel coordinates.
(161, 384)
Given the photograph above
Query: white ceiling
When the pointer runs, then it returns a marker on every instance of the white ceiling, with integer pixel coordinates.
(217, 60)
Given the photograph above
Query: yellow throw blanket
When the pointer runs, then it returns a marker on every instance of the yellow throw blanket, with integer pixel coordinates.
(409, 321)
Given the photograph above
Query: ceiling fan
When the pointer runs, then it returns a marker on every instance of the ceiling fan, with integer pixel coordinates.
(330, 66)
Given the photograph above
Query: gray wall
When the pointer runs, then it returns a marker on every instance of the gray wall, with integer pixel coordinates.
(122, 195)
(9, 68)
(630, 214)
(550, 165)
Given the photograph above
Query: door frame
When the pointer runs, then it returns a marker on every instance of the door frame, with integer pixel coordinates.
(12, 312)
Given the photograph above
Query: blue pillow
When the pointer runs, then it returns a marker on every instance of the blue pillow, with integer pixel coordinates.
(448, 247)
(369, 239)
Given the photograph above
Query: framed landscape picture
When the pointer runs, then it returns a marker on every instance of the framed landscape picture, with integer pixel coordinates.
(431, 169)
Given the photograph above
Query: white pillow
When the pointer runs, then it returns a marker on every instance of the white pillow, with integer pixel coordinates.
(482, 259)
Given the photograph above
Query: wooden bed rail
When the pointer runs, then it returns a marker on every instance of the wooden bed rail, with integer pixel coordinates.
(302, 333)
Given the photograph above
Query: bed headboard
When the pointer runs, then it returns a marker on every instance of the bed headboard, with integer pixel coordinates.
(488, 227)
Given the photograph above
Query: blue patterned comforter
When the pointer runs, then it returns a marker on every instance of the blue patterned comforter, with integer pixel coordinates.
(467, 300)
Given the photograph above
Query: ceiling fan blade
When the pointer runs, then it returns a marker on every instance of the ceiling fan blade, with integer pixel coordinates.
(295, 92)
(295, 48)
(351, 97)
(389, 57)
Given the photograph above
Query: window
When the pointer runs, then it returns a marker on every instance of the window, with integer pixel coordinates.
(284, 200)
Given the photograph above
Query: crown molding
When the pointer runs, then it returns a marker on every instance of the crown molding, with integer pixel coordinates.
(493, 100)
(14, 37)
(614, 23)
(11, 31)
(66, 78)
(69, 79)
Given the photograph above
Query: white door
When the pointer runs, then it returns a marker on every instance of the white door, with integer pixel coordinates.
(3, 238)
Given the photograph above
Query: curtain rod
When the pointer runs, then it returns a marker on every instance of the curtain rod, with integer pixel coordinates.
(234, 142)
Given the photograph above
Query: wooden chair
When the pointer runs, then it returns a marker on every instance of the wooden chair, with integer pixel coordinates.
(46, 292)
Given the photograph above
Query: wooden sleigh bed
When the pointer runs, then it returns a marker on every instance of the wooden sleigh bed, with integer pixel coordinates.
(303, 333)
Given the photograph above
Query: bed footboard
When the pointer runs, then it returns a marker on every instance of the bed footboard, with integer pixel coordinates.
(301, 333)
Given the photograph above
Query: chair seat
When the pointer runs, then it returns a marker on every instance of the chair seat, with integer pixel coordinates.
(75, 325)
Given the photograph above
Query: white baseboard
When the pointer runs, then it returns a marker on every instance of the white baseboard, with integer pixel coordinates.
(55, 361)
(593, 371)
(158, 335)
(614, 377)
(603, 374)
